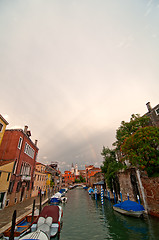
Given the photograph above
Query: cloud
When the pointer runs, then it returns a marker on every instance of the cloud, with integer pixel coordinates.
(73, 71)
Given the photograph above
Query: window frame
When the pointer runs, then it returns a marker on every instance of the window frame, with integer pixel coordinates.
(1, 127)
(157, 111)
(20, 142)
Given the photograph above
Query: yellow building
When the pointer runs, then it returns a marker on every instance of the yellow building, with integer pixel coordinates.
(3, 124)
(6, 168)
(39, 179)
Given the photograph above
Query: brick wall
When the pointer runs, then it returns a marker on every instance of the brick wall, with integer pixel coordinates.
(126, 185)
(151, 189)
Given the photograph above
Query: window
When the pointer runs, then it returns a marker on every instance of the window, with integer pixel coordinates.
(25, 169)
(1, 127)
(29, 150)
(14, 167)
(18, 186)
(8, 177)
(7, 202)
(0, 174)
(28, 185)
(11, 187)
(20, 142)
(15, 200)
(157, 111)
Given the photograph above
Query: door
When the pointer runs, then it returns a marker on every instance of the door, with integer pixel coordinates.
(1, 199)
(22, 193)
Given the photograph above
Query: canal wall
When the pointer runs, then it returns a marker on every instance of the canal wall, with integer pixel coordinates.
(151, 189)
(134, 182)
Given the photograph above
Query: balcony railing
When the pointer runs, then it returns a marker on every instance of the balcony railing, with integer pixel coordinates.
(26, 178)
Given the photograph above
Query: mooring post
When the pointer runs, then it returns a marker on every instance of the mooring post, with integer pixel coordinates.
(121, 197)
(40, 203)
(102, 201)
(109, 195)
(32, 217)
(95, 193)
(13, 225)
(114, 196)
(138, 199)
(128, 195)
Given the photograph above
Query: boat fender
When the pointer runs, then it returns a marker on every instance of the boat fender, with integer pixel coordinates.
(59, 226)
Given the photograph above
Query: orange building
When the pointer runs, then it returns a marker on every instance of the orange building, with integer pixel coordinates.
(69, 178)
(90, 172)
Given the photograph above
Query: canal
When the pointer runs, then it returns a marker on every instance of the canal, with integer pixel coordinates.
(84, 218)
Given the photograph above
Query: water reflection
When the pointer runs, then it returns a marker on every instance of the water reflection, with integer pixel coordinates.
(85, 218)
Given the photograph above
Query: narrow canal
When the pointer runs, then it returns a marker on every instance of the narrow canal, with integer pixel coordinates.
(84, 218)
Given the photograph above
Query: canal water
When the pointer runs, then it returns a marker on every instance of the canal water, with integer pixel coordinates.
(84, 218)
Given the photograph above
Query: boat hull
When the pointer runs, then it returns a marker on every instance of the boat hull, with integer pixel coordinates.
(54, 201)
(128, 213)
(21, 227)
(56, 213)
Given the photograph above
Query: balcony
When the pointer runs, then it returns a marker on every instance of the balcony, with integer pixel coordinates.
(25, 178)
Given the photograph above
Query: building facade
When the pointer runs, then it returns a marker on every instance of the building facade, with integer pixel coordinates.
(18, 147)
(6, 168)
(39, 179)
(3, 124)
(153, 114)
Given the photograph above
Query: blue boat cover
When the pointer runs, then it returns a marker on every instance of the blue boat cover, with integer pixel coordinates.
(91, 190)
(62, 190)
(130, 206)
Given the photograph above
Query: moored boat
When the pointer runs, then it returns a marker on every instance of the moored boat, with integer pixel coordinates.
(90, 190)
(129, 208)
(55, 199)
(47, 225)
(21, 226)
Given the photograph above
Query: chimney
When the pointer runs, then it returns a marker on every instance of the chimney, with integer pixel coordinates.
(149, 106)
(25, 129)
(36, 141)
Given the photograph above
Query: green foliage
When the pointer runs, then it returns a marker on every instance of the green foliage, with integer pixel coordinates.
(77, 181)
(142, 149)
(52, 183)
(82, 179)
(126, 129)
(110, 166)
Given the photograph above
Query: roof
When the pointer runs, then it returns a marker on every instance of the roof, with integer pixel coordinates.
(2, 118)
(99, 183)
(21, 130)
(4, 162)
(38, 163)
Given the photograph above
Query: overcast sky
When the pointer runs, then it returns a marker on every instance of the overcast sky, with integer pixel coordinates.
(72, 70)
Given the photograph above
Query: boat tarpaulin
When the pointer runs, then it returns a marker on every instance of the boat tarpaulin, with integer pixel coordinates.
(130, 206)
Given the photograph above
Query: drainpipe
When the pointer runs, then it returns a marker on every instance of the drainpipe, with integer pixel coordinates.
(142, 191)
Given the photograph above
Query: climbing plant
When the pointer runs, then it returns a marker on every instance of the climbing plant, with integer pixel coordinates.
(126, 129)
(110, 166)
(142, 149)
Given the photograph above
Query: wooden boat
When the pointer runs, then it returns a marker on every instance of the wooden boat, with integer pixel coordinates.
(47, 225)
(129, 208)
(55, 199)
(21, 226)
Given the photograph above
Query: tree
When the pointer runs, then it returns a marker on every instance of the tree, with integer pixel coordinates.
(110, 166)
(126, 129)
(142, 149)
(82, 179)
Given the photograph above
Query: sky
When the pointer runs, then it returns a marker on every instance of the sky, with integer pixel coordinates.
(72, 70)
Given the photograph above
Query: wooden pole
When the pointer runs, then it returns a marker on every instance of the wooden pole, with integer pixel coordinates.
(40, 203)
(13, 225)
(32, 217)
